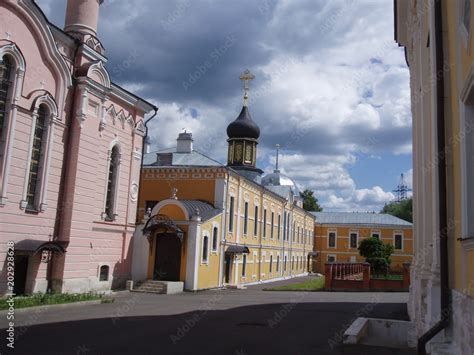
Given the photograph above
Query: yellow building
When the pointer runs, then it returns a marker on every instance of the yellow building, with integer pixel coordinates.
(338, 235)
(210, 225)
(439, 43)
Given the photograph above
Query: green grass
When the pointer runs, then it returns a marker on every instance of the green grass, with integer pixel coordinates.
(315, 284)
(43, 299)
(387, 277)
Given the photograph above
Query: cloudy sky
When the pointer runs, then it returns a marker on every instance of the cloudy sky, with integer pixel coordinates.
(331, 87)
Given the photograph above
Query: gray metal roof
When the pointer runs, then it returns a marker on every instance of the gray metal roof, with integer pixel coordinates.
(195, 158)
(206, 210)
(359, 218)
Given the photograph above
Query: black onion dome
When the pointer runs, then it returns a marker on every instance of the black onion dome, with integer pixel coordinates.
(243, 126)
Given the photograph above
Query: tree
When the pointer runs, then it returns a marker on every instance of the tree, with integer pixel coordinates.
(402, 209)
(377, 254)
(310, 203)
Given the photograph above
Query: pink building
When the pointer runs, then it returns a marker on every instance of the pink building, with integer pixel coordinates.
(70, 153)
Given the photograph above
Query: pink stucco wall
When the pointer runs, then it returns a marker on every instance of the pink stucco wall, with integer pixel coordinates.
(92, 241)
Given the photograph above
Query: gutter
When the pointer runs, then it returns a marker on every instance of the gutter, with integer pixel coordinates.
(143, 157)
(64, 169)
(442, 187)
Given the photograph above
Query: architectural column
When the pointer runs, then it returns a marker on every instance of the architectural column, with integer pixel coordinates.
(192, 259)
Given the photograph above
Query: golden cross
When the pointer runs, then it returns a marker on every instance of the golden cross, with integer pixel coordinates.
(246, 76)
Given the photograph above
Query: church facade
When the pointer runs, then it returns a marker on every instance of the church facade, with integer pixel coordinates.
(212, 225)
(70, 152)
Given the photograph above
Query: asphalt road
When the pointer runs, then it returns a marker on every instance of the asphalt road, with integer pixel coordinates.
(235, 322)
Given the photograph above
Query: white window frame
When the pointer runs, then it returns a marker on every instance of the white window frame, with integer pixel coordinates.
(215, 226)
(48, 101)
(205, 234)
(245, 227)
(357, 239)
(15, 90)
(243, 272)
(231, 226)
(115, 182)
(256, 211)
(108, 273)
(376, 232)
(395, 233)
(335, 238)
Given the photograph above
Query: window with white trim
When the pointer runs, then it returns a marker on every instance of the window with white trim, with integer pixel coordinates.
(37, 158)
(332, 239)
(112, 184)
(231, 214)
(278, 263)
(353, 240)
(272, 224)
(255, 222)
(104, 273)
(398, 241)
(284, 267)
(279, 227)
(271, 263)
(264, 223)
(246, 217)
(6, 69)
(205, 249)
(376, 235)
(215, 238)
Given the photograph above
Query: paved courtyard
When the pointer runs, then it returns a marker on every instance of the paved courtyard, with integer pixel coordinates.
(237, 322)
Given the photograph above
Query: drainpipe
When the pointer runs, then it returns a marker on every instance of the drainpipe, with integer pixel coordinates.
(143, 156)
(64, 171)
(442, 188)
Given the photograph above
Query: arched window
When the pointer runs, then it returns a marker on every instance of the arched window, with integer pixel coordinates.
(12, 73)
(37, 158)
(205, 249)
(278, 263)
(5, 85)
(112, 184)
(214, 238)
(271, 263)
(104, 273)
(244, 264)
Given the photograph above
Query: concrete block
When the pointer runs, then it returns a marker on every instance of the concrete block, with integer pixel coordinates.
(356, 331)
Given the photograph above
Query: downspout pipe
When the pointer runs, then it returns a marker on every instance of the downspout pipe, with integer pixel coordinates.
(442, 188)
(64, 170)
(144, 142)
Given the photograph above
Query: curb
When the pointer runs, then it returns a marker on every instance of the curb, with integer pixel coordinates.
(52, 306)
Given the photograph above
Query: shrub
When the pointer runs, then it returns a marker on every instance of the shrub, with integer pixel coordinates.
(377, 254)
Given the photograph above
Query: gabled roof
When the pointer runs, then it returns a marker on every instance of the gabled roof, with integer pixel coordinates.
(359, 218)
(195, 158)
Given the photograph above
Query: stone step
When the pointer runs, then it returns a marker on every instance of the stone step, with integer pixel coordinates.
(148, 291)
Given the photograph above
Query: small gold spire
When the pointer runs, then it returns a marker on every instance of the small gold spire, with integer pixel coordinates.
(246, 76)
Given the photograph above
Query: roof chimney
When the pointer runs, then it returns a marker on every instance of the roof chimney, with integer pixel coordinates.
(185, 143)
(82, 16)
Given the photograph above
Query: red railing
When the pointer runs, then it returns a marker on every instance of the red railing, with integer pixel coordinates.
(357, 276)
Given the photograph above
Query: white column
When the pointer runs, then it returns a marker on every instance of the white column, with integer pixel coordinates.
(192, 259)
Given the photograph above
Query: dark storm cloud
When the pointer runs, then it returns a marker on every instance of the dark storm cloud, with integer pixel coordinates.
(320, 91)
